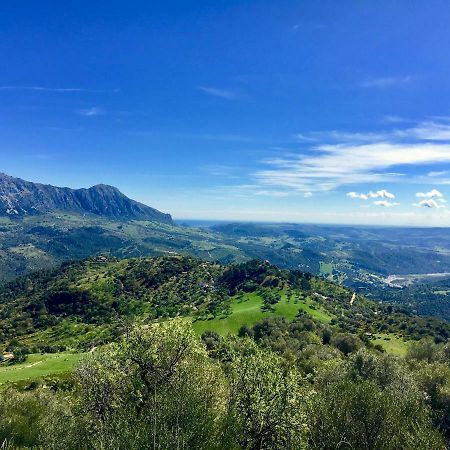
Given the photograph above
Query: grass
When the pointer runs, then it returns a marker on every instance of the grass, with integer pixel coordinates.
(247, 311)
(39, 365)
(391, 343)
(326, 269)
(315, 311)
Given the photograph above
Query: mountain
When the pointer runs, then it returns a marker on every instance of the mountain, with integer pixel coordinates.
(20, 198)
(41, 226)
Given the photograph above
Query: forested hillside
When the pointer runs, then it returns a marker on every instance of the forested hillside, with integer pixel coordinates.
(176, 352)
(102, 293)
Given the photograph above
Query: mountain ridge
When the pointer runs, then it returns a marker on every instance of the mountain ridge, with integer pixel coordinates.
(20, 198)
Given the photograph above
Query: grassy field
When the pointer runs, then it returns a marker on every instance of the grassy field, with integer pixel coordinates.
(39, 365)
(247, 311)
(391, 343)
(326, 269)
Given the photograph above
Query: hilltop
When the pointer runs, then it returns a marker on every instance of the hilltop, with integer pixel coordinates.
(86, 303)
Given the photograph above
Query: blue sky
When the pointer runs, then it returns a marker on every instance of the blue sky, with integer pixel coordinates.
(306, 111)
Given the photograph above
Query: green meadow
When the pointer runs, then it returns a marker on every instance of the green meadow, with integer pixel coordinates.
(247, 310)
(391, 343)
(39, 365)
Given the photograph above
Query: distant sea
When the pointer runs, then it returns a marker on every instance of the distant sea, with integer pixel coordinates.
(201, 223)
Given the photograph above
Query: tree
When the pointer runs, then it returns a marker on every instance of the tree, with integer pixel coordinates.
(346, 343)
(370, 403)
(156, 389)
(268, 400)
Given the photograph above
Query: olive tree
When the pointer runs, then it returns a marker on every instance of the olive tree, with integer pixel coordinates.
(268, 400)
(156, 389)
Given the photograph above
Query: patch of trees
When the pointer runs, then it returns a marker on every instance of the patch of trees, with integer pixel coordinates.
(161, 387)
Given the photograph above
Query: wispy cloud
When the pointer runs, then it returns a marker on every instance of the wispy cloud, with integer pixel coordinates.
(438, 173)
(239, 138)
(328, 166)
(428, 130)
(226, 94)
(52, 89)
(396, 119)
(386, 203)
(271, 193)
(329, 160)
(386, 82)
(341, 136)
(220, 170)
(91, 112)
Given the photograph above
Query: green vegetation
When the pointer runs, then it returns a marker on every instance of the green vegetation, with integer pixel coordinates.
(362, 257)
(89, 303)
(248, 309)
(45, 241)
(314, 310)
(244, 311)
(326, 269)
(391, 343)
(282, 385)
(176, 352)
(39, 365)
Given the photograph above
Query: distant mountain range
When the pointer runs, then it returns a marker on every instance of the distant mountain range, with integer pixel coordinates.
(20, 198)
(41, 226)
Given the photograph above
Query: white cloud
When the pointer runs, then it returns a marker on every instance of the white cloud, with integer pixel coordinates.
(51, 89)
(342, 158)
(429, 203)
(356, 195)
(395, 119)
(438, 173)
(385, 203)
(327, 167)
(276, 194)
(382, 193)
(341, 136)
(437, 129)
(305, 138)
(385, 82)
(307, 194)
(90, 112)
(222, 93)
(434, 193)
(428, 131)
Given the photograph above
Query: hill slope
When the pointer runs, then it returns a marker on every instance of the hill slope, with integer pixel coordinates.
(19, 197)
(44, 241)
(86, 303)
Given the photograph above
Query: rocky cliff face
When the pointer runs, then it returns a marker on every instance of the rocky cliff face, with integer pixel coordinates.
(19, 198)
